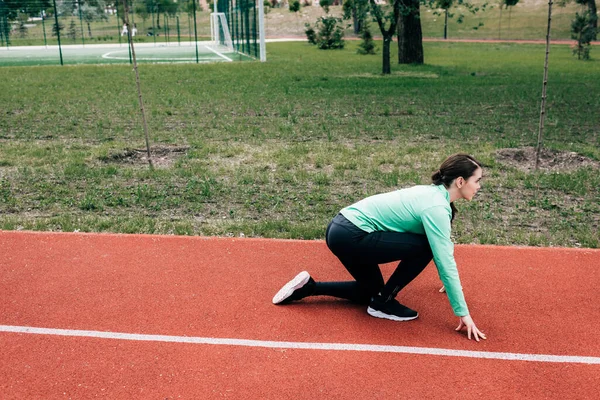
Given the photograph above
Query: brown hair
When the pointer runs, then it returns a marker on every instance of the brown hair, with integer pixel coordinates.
(454, 166)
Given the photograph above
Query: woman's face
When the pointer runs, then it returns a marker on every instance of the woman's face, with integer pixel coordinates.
(468, 188)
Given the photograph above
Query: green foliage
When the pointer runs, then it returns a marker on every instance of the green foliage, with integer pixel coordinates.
(311, 35)
(329, 34)
(367, 45)
(294, 6)
(325, 4)
(72, 31)
(583, 32)
(57, 29)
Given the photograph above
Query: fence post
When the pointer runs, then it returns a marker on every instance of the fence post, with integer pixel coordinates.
(44, 28)
(57, 31)
(81, 22)
(196, 31)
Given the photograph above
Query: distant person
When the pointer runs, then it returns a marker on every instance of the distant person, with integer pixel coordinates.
(134, 30)
(412, 225)
(124, 31)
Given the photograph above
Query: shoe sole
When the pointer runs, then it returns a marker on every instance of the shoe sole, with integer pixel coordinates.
(289, 288)
(379, 314)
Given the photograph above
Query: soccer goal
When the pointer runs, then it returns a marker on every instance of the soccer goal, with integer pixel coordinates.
(220, 35)
(238, 25)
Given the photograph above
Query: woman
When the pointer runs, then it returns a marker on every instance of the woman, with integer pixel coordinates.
(412, 225)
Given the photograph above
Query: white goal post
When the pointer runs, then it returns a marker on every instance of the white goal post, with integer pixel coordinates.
(219, 31)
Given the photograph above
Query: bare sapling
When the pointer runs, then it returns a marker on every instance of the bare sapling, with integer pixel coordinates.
(543, 107)
(137, 81)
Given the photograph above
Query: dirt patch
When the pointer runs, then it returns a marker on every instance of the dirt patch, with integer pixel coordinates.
(162, 156)
(550, 160)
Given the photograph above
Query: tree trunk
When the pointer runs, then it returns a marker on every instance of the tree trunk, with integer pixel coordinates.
(410, 35)
(387, 69)
(355, 21)
(500, 24)
(509, 11)
(446, 25)
(594, 17)
(89, 30)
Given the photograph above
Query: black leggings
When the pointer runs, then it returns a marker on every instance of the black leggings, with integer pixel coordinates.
(362, 252)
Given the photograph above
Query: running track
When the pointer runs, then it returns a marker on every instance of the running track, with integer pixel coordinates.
(167, 317)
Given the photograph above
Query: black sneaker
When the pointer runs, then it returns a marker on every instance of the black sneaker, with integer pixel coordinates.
(298, 288)
(390, 310)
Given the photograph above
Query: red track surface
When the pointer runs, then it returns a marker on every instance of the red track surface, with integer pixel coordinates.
(527, 300)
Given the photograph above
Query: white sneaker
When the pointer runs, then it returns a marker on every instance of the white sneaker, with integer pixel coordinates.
(286, 292)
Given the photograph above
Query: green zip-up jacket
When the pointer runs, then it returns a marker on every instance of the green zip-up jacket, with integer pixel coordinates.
(424, 210)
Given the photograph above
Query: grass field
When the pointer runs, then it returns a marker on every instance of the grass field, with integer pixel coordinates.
(276, 149)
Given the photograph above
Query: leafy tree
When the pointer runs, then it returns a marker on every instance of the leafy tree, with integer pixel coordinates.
(367, 46)
(357, 10)
(294, 6)
(388, 22)
(583, 32)
(592, 13)
(57, 29)
(445, 5)
(72, 31)
(93, 10)
(410, 36)
(329, 34)
(508, 4)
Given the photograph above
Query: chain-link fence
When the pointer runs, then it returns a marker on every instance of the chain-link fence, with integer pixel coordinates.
(79, 30)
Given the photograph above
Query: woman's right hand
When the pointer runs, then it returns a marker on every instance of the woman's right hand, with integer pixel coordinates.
(467, 322)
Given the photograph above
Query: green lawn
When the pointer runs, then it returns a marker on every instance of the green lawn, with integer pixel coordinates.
(276, 149)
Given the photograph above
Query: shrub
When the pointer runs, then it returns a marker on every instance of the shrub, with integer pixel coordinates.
(367, 45)
(584, 33)
(311, 35)
(294, 6)
(330, 34)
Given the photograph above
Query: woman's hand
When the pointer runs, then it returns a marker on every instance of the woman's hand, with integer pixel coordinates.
(471, 328)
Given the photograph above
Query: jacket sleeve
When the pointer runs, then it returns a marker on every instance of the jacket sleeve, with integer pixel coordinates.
(436, 222)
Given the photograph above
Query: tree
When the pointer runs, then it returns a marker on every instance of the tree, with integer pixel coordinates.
(592, 16)
(387, 22)
(538, 150)
(329, 33)
(445, 5)
(509, 4)
(93, 10)
(357, 10)
(410, 35)
(56, 29)
(72, 31)
(583, 32)
(367, 46)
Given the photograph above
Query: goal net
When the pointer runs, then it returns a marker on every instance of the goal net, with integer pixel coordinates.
(239, 25)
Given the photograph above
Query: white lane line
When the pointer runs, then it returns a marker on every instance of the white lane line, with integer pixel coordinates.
(548, 358)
